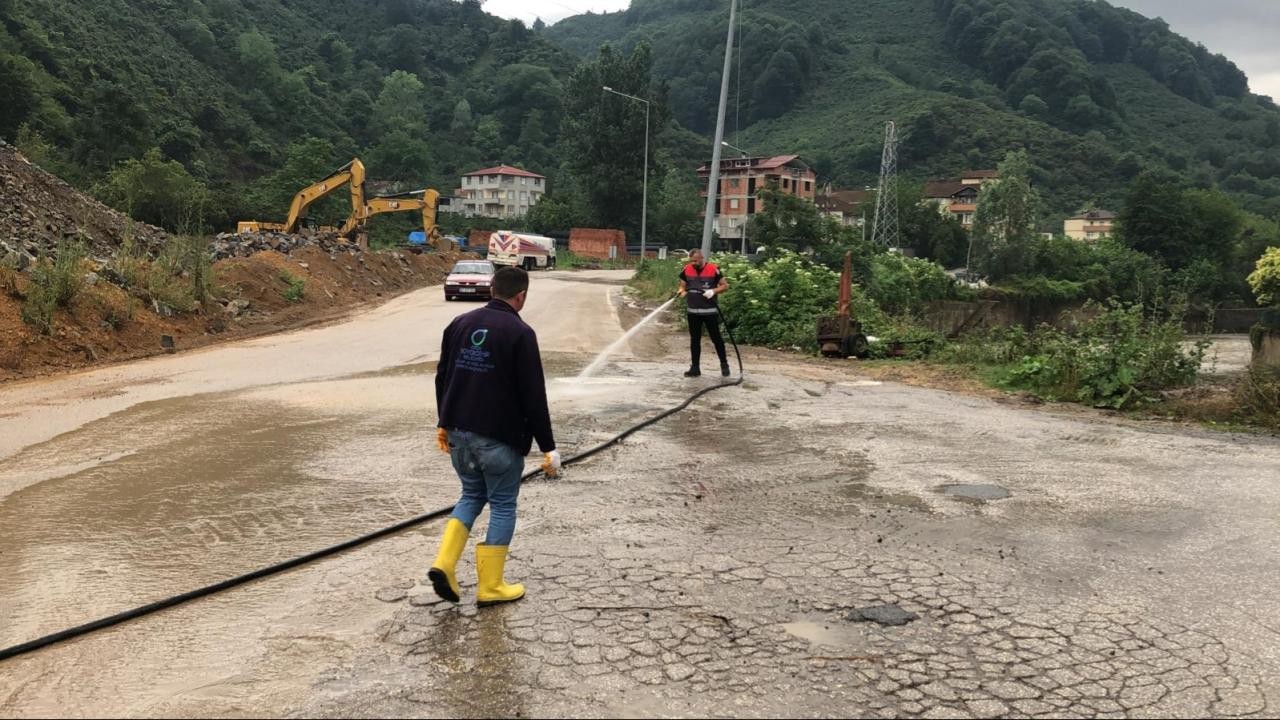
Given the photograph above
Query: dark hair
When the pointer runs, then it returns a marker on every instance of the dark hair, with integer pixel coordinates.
(509, 282)
(694, 251)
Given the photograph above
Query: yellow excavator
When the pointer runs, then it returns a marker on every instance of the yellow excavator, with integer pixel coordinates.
(351, 174)
(424, 201)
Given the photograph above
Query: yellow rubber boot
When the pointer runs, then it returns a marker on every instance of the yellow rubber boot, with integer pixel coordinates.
(443, 575)
(490, 562)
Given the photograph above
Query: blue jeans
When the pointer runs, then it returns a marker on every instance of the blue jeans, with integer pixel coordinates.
(490, 473)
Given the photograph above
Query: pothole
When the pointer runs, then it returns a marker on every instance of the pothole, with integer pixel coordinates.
(975, 493)
(886, 615)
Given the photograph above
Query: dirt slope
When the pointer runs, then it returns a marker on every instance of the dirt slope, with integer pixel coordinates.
(107, 323)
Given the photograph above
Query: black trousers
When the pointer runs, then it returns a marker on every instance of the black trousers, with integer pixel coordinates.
(712, 323)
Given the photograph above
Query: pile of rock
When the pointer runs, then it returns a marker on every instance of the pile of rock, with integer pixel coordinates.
(230, 245)
(38, 211)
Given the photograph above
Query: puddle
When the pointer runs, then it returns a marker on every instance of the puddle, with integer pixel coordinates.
(817, 633)
(977, 494)
(862, 491)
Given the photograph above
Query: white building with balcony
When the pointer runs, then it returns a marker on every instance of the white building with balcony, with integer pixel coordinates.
(502, 192)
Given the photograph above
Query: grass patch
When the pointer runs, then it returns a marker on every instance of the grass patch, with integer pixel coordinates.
(180, 279)
(296, 287)
(657, 280)
(54, 284)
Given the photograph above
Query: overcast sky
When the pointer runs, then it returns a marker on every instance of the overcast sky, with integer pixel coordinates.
(1246, 31)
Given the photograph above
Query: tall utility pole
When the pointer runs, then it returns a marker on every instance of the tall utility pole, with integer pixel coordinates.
(885, 233)
(644, 212)
(713, 182)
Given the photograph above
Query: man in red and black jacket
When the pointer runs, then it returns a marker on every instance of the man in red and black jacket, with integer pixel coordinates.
(700, 283)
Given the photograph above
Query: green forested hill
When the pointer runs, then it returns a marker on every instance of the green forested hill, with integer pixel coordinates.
(1095, 93)
(256, 97)
(420, 89)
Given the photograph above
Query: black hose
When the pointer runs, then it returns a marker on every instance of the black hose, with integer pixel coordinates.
(138, 612)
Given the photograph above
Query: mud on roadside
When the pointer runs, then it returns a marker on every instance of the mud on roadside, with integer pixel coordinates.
(94, 331)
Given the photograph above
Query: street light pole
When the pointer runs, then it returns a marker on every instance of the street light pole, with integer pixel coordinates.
(644, 202)
(713, 182)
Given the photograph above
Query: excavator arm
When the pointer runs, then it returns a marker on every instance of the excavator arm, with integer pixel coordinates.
(427, 203)
(350, 174)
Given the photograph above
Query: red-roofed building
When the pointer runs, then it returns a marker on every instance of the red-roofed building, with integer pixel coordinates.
(959, 196)
(501, 191)
(741, 178)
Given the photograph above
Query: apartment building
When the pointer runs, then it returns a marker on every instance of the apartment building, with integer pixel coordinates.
(740, 180)
(959, 196)
(1089, 226)
(502, 192)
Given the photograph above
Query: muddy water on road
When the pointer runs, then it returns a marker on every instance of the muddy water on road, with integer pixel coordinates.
(193, 490)
(175, 494)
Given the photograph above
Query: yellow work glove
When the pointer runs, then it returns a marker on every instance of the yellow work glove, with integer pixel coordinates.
(551, 463)
(442, 439)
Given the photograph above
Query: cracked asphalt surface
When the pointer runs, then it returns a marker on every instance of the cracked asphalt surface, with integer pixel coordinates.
(707, 566)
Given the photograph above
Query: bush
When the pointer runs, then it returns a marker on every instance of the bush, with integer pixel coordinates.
(1258, 396)
(1265, 279)
(54, 284)
(1117, 359)
(904, 339)
(296, 289)
(777, 303)
(187, 257)
(179, 279)
(902, 285)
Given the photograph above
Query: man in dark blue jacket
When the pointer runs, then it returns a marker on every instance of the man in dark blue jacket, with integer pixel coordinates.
(492, 402)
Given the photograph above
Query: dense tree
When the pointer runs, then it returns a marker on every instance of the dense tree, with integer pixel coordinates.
(1004, 229)
(19, 96)
(400, 105)
(675, 209)
(156, 191)
(788, 223)
(603, 135)
(1265, 278)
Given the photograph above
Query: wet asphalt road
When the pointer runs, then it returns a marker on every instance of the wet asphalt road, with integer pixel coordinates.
(703, 568)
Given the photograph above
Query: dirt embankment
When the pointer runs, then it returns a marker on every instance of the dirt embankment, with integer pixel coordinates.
(93, 330)
(306, 281)
(38, 210)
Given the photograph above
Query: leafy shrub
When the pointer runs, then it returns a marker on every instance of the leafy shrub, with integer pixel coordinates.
(1265, 279)
(54, 284)
(1116, 359)
(179, 279)
(777, 303)
(296, 289)
(187, 256)
(988, 346)
(902, 285)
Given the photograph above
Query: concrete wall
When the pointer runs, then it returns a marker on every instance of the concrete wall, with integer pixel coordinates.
(952, 316)
(595, 242)
(1233, 320)
(1266, 347)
